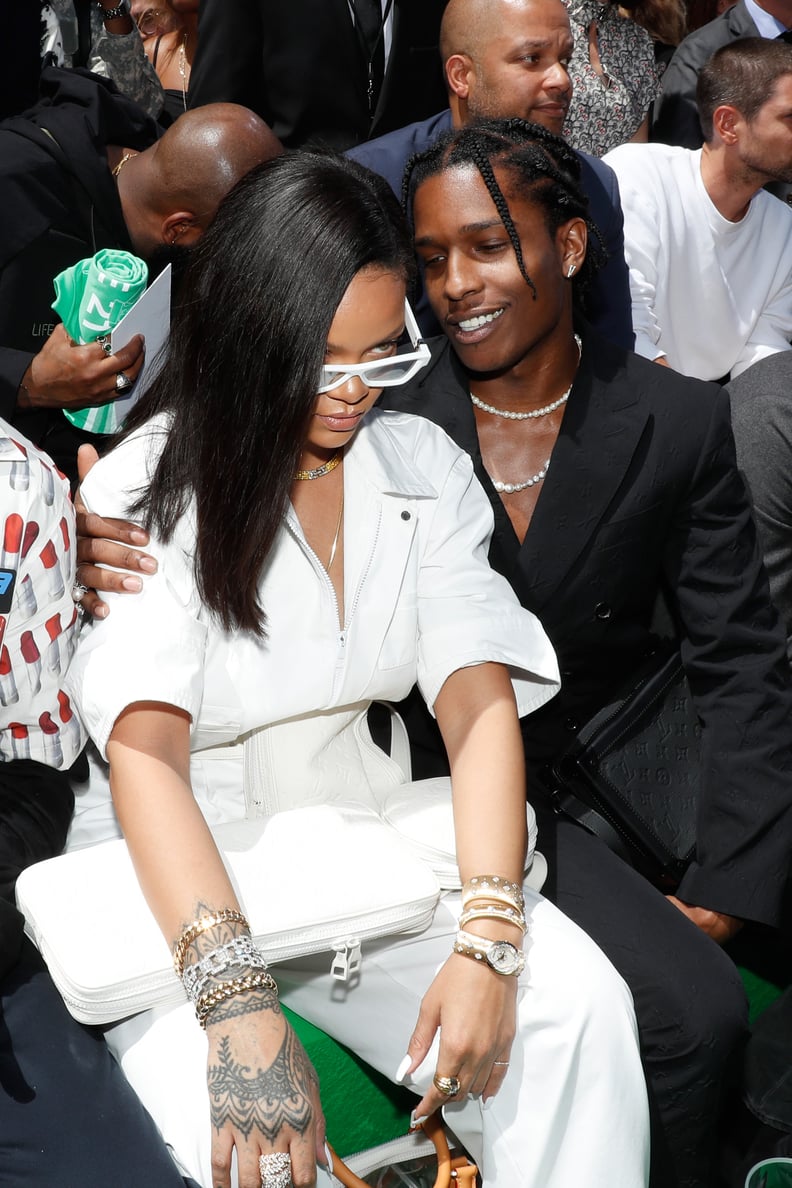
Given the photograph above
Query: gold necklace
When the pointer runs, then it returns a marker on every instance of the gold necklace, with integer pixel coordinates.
(320, 471)
(183, 68)
(334, 545)
(126, 157)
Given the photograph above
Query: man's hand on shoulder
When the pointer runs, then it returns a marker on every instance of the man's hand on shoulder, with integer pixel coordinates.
(63, 375)
(102, 543)
(717, 925)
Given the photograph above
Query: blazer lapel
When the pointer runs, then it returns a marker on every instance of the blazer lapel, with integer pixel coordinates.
(602, 426)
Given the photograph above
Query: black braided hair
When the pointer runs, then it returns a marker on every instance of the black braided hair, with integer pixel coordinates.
(546, 168)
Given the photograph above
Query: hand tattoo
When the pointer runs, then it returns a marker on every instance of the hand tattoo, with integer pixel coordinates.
(267, 1100)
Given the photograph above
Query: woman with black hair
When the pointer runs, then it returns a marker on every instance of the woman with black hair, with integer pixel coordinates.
(314, 554)
(613, 482)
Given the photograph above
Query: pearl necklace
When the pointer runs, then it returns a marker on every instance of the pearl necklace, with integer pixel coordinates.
(512, 488)
(537, 412)
(320, 471)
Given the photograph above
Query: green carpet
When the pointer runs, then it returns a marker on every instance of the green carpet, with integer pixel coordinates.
(362, 1108)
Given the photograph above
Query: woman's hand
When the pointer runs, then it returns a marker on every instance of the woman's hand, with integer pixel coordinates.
(263, 1092)
(475, 1009)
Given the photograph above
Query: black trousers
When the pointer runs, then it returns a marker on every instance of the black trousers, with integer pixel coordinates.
(689, 999)
(68, 1117)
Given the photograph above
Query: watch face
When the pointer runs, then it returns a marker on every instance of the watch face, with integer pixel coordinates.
(505, 958)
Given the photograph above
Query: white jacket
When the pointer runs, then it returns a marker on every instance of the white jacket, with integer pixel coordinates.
(421, 601)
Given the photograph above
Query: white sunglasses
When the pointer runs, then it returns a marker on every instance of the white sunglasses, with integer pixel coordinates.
(381, 373)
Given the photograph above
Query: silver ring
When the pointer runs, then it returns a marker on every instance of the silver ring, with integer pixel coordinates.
(123, 382)
(275, 1170)
(501, 1063)
(448, 1086)
(78, 590)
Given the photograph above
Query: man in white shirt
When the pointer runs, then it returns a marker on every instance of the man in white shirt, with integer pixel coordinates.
(709, 251)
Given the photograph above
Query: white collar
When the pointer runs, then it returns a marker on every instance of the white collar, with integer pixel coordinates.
(767, 25)
(378, 452)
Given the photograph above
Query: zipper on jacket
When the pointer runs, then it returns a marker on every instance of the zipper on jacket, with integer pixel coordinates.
(367, 570)
(340, 633)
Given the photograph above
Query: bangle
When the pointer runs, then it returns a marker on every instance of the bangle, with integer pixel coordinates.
(203, 924)
(508, 915)
(113, 14)
(238, 953)
(493, 887)
(253, 981)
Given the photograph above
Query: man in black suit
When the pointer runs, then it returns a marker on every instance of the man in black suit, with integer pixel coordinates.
(321, 71)
(507, 58)
(676, 115)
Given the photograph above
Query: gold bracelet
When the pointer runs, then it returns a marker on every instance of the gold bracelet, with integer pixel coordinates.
(199, 926)
(260, 980)
(508, 915)
(493, 887)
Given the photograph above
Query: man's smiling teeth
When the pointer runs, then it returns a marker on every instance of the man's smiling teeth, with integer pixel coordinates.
(474, 323)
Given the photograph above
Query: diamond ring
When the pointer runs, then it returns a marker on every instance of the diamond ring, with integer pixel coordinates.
(275, 1170)
(448, 1086)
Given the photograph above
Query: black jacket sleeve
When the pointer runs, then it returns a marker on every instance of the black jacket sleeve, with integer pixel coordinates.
(733, 649)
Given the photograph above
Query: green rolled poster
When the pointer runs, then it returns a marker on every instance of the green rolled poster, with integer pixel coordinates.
(91, 298)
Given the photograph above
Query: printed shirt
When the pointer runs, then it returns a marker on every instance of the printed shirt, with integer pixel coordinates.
(608, 109)
(38, 619)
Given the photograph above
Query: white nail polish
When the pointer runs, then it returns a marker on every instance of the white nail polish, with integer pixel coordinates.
(417, 1121)
(401, 1071)
(485, 1105)
(329, 1158)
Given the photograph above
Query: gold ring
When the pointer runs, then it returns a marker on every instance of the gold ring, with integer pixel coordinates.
(448, 1086)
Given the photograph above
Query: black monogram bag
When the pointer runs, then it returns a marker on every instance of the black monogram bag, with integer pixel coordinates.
(632, 774)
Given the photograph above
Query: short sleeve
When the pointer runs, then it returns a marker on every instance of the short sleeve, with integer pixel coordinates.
(152, 645)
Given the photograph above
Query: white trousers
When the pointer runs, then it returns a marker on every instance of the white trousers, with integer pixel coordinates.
(572, 1109)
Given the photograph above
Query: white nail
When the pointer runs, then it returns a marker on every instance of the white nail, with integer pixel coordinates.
(417, 1121)
(329, 1158)
(485, 1105)
(401, 1071)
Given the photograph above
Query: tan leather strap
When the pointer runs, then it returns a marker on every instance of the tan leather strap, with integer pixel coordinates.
(449, 1171)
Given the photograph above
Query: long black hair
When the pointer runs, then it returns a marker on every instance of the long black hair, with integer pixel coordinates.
(546, 169)
(247, 341)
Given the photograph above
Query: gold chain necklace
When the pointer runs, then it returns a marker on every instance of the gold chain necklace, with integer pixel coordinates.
(320, 471)
(183, 68)
(126, 157)
(334, 546)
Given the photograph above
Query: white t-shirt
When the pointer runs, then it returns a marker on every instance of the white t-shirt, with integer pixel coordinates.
(710, 295)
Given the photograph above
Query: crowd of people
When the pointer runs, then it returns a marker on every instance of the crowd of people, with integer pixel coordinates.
(475, 399)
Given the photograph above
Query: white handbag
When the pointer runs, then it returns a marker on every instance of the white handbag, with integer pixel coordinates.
(317, 879)
(320, 878)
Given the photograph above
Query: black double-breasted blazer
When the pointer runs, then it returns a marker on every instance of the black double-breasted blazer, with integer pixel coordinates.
(643, 495)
